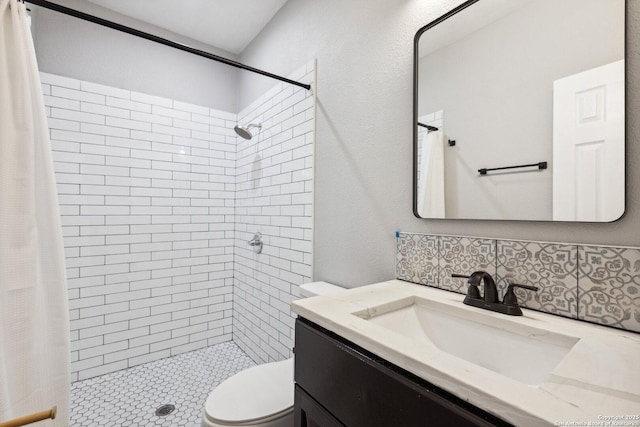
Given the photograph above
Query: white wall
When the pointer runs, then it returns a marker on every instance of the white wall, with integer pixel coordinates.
(364, 132)
(158, 200)
(506, 119)
(149, 231)
(274, 196)
(146, 188)
(82, 50)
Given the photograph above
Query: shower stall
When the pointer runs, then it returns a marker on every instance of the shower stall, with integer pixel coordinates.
(158, 199)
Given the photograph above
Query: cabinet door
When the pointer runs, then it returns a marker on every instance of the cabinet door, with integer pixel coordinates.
(308, 413)
(360, 390)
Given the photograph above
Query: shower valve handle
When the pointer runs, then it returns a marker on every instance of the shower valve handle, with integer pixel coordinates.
(256, 242)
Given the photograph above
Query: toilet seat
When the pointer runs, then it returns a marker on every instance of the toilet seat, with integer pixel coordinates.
(256, 395)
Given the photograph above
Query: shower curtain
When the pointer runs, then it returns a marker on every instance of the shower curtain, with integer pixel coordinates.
(34, 332)
(431, 195)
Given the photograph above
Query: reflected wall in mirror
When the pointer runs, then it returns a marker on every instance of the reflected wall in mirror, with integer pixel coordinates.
(501, 84)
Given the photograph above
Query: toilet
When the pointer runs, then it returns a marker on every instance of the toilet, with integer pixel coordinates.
(261, 396)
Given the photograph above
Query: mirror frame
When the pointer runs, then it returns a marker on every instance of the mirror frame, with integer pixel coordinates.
(416, 60)
(414, 122)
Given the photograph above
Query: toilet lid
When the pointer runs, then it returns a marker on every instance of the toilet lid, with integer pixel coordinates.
(255, 393)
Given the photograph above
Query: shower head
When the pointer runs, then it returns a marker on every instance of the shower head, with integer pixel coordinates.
(244, 132)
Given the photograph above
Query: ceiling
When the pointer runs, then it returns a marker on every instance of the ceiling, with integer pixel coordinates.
(225, 24)
(467, 22)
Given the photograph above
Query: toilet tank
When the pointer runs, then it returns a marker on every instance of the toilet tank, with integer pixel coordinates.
(319, 288)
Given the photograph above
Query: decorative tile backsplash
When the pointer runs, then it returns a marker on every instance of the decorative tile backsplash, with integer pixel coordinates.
(591, 283)
(418, 259)
(549, 266)
(461, 255)
(609, 286)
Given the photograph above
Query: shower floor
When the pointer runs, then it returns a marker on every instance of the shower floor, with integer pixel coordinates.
(130, 397)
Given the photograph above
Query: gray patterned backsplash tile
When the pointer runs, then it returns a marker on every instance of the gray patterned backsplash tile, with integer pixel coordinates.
(551, 267)
(597, 284)
(609, 286)
(417, 258)
(464, 255)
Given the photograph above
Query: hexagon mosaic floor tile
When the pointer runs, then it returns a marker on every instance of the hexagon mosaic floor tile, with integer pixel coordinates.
(129, 398)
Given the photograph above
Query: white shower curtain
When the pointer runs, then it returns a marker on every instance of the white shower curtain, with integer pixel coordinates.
(431, 185)
(34, 332)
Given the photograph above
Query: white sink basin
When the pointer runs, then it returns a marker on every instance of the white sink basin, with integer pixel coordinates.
(523, 353)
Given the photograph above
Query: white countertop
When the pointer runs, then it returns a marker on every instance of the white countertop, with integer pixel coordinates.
(598, 380)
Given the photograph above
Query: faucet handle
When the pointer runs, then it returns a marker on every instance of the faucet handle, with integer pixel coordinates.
(473, 290)
(510, 296)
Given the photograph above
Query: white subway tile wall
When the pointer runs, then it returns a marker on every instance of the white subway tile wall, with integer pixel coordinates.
(274, 195)
(147, 189)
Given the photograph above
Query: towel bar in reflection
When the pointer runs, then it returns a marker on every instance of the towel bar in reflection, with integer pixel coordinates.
(33, 418)
(540, 165)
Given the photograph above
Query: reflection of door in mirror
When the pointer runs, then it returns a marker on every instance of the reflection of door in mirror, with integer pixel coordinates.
(431, 203)
(588, 145)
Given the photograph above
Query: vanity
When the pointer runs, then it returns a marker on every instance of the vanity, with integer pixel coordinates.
(519, 115)
(396, 353)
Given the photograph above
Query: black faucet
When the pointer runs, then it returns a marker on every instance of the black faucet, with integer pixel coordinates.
(509, 304)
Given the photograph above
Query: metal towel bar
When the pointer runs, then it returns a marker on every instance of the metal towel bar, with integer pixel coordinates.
(540, 165)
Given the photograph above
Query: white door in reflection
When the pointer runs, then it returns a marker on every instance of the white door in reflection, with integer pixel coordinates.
(588, 145)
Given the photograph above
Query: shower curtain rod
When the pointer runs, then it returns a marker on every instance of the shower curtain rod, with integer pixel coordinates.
(113, 25)
(429, 127)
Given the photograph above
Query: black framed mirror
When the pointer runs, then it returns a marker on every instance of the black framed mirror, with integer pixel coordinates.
(519, 111)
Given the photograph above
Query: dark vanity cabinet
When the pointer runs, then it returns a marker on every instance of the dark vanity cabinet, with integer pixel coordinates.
(341, 384)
